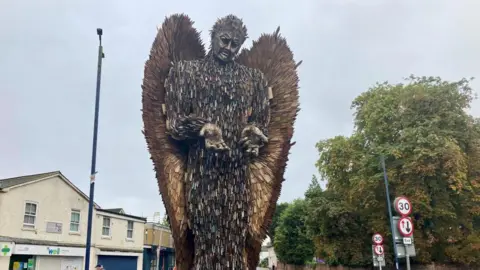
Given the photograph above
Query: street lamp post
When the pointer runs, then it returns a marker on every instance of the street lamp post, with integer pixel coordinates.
(389, 206)
(94, 151)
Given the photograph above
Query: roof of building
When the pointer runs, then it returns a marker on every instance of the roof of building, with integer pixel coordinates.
(121, 214)
(116, 210)
(156, 225)
(14, 182)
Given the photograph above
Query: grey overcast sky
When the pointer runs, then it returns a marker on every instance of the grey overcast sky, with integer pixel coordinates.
(48, 70)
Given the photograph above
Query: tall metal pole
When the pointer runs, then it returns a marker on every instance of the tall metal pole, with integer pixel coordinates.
(94, 152)
(407, 257)
(392, 226)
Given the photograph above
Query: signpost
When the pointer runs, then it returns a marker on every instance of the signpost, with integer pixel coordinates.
(403, 232)
(378, 251)
(378, 260)
(403, 244)
(389, 208)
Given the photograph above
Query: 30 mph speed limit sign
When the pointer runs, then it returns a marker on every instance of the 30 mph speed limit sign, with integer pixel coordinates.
(378, 249)
(377, 239)
(402, 206)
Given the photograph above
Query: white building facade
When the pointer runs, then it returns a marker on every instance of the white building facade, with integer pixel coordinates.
(43, 226)
(269, 253)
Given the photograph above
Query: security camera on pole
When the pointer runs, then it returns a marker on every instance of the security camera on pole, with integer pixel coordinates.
(378, 251)
(403, 232)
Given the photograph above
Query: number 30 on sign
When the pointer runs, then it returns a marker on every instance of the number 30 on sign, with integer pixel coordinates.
(403, 206)
(377, 239)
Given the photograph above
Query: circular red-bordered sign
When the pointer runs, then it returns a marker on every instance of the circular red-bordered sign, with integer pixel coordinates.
(405, 226)
(378, 249)
(377, 239)
(402, 206)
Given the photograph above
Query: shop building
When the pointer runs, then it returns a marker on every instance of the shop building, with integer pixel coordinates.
(159, 252)
(119, 240)
(44, 225)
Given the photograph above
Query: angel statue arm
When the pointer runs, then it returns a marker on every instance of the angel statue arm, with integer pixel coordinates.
(255, 134)
(181, 123)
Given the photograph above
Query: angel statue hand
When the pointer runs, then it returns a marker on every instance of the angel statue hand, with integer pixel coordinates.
(252, 139)
(213, 138)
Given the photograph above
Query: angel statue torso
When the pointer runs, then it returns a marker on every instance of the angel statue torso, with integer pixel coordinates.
(218, 174)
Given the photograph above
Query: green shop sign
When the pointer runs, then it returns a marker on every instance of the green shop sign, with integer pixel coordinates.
(5, 251)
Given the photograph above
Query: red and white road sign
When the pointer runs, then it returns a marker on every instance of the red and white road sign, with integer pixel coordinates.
(378, 249)
(402, 206)
(377, 239)
(405, 227)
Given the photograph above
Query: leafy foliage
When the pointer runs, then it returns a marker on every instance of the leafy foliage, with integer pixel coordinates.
(165, 221)
(292, 243)
(432, 151)
(263, 263)
(276, 217)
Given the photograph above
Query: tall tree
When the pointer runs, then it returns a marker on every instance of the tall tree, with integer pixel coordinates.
(280, 208)
(292, 243)
(432, 150)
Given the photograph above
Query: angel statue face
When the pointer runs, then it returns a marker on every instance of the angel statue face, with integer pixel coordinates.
(228, 35)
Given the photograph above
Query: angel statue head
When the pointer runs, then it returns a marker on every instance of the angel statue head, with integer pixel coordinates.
(228, 35)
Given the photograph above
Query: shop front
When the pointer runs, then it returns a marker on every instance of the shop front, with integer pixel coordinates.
(6, 249)
(166, 258)
(39, 257)
(158, 258)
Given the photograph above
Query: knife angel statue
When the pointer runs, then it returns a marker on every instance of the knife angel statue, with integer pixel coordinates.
(218, 127)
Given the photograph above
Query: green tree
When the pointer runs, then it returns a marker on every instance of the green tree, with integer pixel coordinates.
(432, 151)
(292, 243)
(165, 221)
(332, 223)
(263, 263)
(276, 217)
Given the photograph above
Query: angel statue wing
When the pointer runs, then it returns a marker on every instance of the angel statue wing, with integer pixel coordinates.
(176, 40)
(271, 55)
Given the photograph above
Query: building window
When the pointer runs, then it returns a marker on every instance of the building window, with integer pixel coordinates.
(75, 221)
(106, 226)
(130, 229)
(30, 215)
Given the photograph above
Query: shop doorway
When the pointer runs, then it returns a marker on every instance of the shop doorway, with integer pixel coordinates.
(22, 262)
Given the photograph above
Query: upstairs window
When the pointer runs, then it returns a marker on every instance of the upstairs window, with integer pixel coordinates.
(130, 229)
(106, 227)
(75, 221)
(30, 215)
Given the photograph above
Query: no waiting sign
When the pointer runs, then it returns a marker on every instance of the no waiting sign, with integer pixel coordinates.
(378, 249)
(405, 227)
(402, 206)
